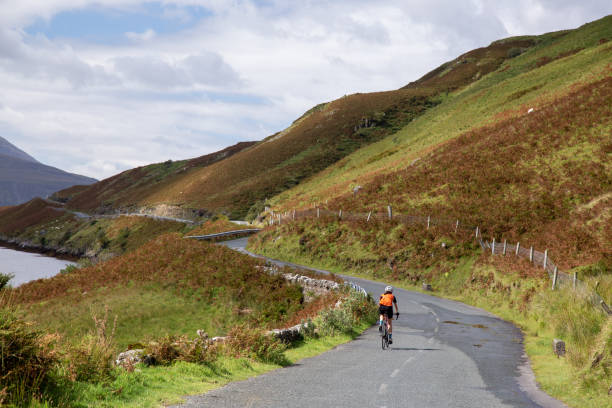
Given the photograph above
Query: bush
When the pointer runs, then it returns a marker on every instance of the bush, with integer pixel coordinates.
(514, 52)
(4, 279)
(255, 210)
(255, 343)
(354, 310)
(27, 358)
(168, 349)
(92, 360)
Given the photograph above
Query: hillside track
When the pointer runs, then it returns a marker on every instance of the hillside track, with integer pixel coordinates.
(445, 354)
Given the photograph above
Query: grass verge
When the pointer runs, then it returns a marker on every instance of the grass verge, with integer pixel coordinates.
(160, 386)
(540, 313)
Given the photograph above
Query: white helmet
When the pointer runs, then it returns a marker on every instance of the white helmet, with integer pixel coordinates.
(389, 289)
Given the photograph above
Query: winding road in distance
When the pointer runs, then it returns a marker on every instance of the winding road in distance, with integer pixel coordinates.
(444, 354)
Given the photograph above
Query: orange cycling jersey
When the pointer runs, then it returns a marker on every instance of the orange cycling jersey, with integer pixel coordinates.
(387, 299)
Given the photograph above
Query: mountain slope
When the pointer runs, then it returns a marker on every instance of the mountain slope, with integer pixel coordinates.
(322, 136)
(8, 149)
(22, 177)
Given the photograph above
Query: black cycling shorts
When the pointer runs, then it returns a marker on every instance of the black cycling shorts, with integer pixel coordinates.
(386, 310)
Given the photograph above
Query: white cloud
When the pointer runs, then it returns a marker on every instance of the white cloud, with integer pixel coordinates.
(144, 36)
(242, 72)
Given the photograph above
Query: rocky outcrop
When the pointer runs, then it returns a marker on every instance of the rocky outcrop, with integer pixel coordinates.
(291, 334)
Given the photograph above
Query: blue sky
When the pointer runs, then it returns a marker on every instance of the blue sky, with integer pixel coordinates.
(108, 25)
(97, 87)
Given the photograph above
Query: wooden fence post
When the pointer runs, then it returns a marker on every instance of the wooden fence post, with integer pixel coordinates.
(545, 258)
(293, 215)
(518, 245)
(456, 226)
(389, 212)
(574, 280)
(493, 247)
(531, 254)
(505, 246)
(279, 219)
(318, 212)
(340, 214)
(369, 216)
(428, 221)
(554, 283)
(476, 232)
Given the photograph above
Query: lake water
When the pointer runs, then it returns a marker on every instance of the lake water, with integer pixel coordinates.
(28, 266)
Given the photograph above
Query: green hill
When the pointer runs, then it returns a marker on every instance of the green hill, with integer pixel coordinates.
(524, 153)
(234, 180)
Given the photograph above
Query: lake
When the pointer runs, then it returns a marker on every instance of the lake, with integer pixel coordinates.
(28, 266)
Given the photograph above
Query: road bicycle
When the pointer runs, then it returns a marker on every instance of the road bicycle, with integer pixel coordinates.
(384, 333)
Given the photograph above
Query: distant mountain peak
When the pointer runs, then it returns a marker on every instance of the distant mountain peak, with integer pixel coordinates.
(9, 149)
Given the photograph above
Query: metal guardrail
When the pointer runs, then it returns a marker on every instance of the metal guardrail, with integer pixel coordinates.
(224, 234)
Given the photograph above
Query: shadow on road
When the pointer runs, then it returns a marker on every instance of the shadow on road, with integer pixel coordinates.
(412, 349)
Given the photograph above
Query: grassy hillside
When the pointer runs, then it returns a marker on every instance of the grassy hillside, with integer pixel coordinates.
(548, 70)
(61, 335)
(186, 286)
(525, 153)
(47, 225)
(130, 188)
(243, 176)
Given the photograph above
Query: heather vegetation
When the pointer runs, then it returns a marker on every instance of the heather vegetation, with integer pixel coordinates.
(42, 225)
(513, 138)
(483, 156)
(249, 174)
(506, 93)
(79, 320)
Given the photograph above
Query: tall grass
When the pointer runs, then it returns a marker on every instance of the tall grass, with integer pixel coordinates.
(27, 358)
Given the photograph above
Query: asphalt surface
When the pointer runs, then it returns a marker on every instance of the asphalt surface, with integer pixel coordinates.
(444, 354)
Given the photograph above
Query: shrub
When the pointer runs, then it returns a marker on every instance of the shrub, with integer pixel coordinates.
(255, 210)
(355, 309)
(514, 52)
(92, 360)
(4, 279)
(255, 343)
(27, 358)
(168, 349)
(334, 321)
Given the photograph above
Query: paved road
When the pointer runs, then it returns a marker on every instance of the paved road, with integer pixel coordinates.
(445, 354)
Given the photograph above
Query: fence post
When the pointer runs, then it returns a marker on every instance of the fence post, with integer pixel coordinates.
(574, 280)
(369, 215)
(389, 212)
(554, 278)
(476, 232)
(505, 246)
(518, 245)
(456, 226)
(279, 219)
(293, 215)
(531, 254)
(340, 214)
(318, 212)
(493, 247)
(428, 221)
(545, 258)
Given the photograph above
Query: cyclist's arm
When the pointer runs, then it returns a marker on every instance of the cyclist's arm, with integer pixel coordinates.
(395, 304)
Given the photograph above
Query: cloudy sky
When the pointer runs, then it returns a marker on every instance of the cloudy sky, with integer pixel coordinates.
(97, 87)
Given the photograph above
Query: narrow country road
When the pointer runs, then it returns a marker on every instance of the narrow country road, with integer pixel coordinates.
(445, 354)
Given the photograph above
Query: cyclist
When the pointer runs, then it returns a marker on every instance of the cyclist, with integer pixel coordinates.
(385, 308)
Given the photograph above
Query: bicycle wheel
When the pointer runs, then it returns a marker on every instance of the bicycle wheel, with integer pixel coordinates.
(385, 339)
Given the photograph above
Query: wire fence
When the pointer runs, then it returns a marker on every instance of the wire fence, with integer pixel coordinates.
(542, 259)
